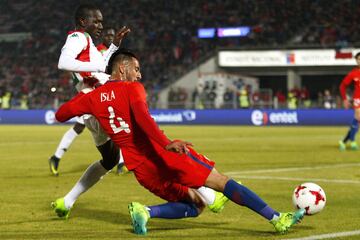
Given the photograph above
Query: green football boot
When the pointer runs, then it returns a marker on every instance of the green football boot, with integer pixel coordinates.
(342, 146)
(54, 165)
(139, 217)
(219, 203)
(354, 146)
(286, 220)
(60, 209)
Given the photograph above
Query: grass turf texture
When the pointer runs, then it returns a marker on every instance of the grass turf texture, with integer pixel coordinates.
(27, 188)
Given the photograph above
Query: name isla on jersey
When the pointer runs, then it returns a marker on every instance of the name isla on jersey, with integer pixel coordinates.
(107, 96)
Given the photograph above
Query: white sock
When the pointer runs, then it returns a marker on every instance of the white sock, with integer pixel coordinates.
(208, 194)
(65, 142)
(90, 177)
(121, 159)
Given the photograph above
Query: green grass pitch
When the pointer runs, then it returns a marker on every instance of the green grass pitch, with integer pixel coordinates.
(295, 154)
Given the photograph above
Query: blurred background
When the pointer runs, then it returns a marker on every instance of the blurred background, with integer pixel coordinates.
(194, 54)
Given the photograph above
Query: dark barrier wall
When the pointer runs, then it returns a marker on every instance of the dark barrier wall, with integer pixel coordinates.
(211, 117)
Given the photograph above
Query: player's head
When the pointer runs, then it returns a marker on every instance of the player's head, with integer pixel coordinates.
(108, 36)
(124, 65)
(357, 58)
(89, 19)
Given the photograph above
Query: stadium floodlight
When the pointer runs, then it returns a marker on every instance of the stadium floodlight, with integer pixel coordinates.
(206, 32)
(233, 31)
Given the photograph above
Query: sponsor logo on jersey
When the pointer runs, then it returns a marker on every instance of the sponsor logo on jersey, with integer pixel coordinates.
(259, 118)
(74, 35)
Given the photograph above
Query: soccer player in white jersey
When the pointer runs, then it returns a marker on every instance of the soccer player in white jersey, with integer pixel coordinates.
(70, 135)
(80, 56)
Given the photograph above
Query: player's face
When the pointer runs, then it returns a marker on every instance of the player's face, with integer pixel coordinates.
(109, 37)
(132, 72)
(94, 24)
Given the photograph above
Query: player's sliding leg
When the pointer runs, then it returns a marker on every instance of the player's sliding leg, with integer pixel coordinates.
(64, 145)
(140, 214)
(241, 195)
(110, 154)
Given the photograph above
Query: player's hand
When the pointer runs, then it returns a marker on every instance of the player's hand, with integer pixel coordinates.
(346, 104)
(120, 35)
(179, 146)
(90, 81)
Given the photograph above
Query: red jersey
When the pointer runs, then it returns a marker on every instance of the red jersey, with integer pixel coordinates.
(354, 75)
(121, 109)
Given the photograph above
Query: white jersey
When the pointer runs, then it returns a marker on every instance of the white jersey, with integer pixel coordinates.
(80, 56)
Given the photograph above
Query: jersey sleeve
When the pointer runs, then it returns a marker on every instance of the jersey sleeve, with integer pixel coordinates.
(74, 45)
(142, 116)
(77, 106)
(345, 82)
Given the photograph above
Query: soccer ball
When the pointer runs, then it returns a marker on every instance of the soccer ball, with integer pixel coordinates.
(309, 196)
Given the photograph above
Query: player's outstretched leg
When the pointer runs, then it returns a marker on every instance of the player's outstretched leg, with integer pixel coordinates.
(241, 195)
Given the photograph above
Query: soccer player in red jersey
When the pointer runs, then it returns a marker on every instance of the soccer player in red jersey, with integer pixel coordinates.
(108, 38)
(352, 77)
(169, 169)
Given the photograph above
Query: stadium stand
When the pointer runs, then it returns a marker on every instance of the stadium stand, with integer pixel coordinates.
(164, 36)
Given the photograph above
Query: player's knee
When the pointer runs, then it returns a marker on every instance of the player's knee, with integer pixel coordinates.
(195, 198)
(79, 128)
(110, 155)
(216, 180)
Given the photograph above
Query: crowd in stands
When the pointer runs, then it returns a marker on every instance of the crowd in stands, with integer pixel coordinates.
(244, 98)
(164, 35)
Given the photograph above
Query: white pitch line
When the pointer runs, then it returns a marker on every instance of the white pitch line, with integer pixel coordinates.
(295, 168)
(328, 236)
(297, 179)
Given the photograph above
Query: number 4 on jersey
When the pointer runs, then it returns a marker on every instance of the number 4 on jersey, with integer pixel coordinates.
(123, 125)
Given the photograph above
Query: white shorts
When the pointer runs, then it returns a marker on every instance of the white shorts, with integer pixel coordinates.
(80, 120)
(99, 135)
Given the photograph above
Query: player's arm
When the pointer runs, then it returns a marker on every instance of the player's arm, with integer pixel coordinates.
(77, 106)
(344, 84)
(146, 122)
(75, 43)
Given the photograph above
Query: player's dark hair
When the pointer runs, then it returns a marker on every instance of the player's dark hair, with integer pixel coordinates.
(83, 11)
(357, 55)
(119, 55)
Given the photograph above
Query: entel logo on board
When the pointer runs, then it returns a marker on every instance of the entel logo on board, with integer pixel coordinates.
(259, 118)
